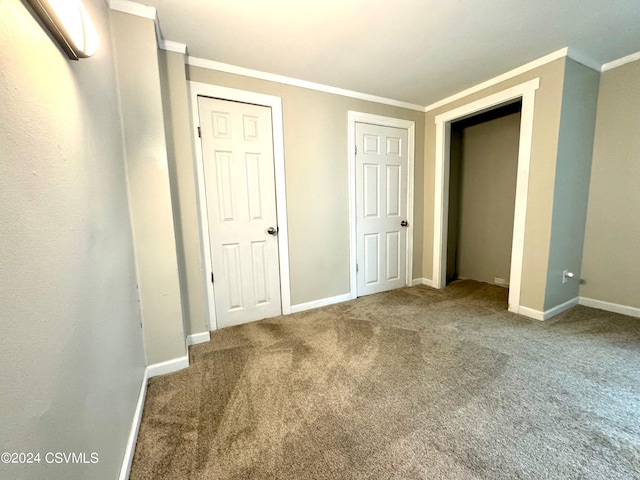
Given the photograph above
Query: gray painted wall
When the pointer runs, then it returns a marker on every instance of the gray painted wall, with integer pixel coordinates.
(611, 254)
(183, 189)
(571, 192)
(136, 55)
(488, 163)
(71, 354)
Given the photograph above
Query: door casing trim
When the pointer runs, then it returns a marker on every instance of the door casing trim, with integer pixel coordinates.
(527, 92)
(197, 89)
(409, 125)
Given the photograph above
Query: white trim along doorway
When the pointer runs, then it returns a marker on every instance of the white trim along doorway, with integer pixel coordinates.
(358, 117)
(197, 89)
(525, 91)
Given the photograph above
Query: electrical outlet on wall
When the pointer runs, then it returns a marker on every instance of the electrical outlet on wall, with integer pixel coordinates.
(499, 281)
(566, 276)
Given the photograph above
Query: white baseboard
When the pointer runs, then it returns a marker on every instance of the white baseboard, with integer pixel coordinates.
(151, 371)
(530, 313)
(547, 314)
(422, 281)
(125, 470)
(610, 307)
(197, 338)
(167, 367)
(563, 307)
(323, 302)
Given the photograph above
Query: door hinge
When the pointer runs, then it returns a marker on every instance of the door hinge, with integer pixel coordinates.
(199, 133)
(356, 268)
(211, 277)
(356, 149)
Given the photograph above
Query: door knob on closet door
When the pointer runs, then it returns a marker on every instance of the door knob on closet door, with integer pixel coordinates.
(272, 231)
(404, 223)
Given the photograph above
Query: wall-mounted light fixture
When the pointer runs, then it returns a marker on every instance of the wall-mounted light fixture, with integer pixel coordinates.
(69, 23)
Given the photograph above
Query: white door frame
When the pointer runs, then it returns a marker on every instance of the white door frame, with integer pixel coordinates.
(410, 126)
(223, 93)
(526, 91)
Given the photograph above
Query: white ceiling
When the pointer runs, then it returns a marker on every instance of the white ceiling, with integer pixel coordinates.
(417, 51)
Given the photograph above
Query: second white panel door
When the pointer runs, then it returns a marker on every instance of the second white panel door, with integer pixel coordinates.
(237, 146)
(381, 207)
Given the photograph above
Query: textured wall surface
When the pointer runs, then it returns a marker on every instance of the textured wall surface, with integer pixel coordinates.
(136, 57)
(611, 254)
(183, 189)
(71, 350)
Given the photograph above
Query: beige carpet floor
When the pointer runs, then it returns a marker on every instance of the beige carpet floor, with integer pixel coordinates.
(415, 383)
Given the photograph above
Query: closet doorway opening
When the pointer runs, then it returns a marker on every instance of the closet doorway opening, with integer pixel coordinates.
(483, 168)
(524, 93)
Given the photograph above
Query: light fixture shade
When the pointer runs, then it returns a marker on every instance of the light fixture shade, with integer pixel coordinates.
(69, 23)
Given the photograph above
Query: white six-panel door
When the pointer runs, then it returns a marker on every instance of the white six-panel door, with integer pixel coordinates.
(237, 144)
(381, 207)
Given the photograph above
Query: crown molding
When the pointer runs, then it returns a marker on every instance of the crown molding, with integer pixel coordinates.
(272, 77)
(134, 8)
(170, 46)
(500, 78)
(620, 62)
(140, 10)
(145, 11)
